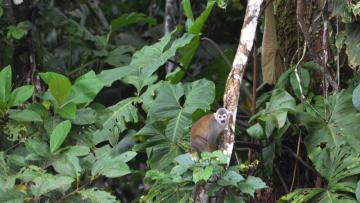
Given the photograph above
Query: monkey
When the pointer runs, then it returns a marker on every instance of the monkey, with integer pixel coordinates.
(204, 136)
(206, 131)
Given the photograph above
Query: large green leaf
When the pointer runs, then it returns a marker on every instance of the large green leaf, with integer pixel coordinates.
(251, 184)
(59, 86)
(199, 95)
(20, 95)
(38, 147)
(112, 167)
(59, 134)
(131, 18)
(68, 165)
(85, 88)
(341, 125)
(169, 121)
(97, 196)
(339, 166)
(146, 61)
(11, 196)
(5, 86)
(114, 120)
(47, 183)
(25, 116)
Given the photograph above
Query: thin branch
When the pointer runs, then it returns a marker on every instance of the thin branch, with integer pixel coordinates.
(301, 160)
(218, 49)
(296, 163)
(281, 179)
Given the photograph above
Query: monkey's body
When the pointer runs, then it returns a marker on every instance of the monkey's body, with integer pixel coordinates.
(205, 134)
(206, 131)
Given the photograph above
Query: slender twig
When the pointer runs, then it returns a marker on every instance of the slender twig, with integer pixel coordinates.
(301, 160)
(281, 179)
(296, 70)
(296, 163)
(219, 50)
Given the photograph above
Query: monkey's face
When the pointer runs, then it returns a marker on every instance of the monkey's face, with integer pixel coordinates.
(222, 118)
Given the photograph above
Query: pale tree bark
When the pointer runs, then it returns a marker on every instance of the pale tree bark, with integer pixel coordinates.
(232, 88)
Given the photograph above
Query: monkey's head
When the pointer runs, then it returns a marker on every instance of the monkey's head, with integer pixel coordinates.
(222, 116)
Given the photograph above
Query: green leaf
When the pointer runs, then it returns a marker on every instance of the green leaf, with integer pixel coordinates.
(37, 146)
(59, 134)
(230, 178)
(357, 191)
(60, 88)
(20, 95)
(356, 97)
(15, 32)
(256, 131)
(78, 150)
(25, 116)
(3, 166)
(251, 184)
(185, 159)
(1, 12)
(199, 95)
(276, 110)
(47, 183)
(11, 196)
(340, 126)
(97, 196)
(86, 88)
(120, 56)
(112, 167)
(68, 165)
(115, 118)
(85, 116)
(352, 31)
(198, 174)
(5, 86)
(131, 18)
(146, 61)
(186, 6)
(67, 111)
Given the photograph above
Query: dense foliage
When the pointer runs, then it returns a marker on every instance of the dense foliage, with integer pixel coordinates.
(89, 114)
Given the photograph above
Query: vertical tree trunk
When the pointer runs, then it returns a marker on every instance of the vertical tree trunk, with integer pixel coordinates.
(232, 89)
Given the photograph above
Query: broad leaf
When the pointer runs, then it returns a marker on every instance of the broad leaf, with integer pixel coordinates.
(131, 18)
(251, 184)
(146, 61)
(97, 196)
(11, 196)
(68, 165)
(20, 95)
(112, 167)
(60, 88)
(25, 116)
(67, 111)
(5, 86)
(86, 88)
(47, 183)
(114, 120)
(340, 126)
(59, 134)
